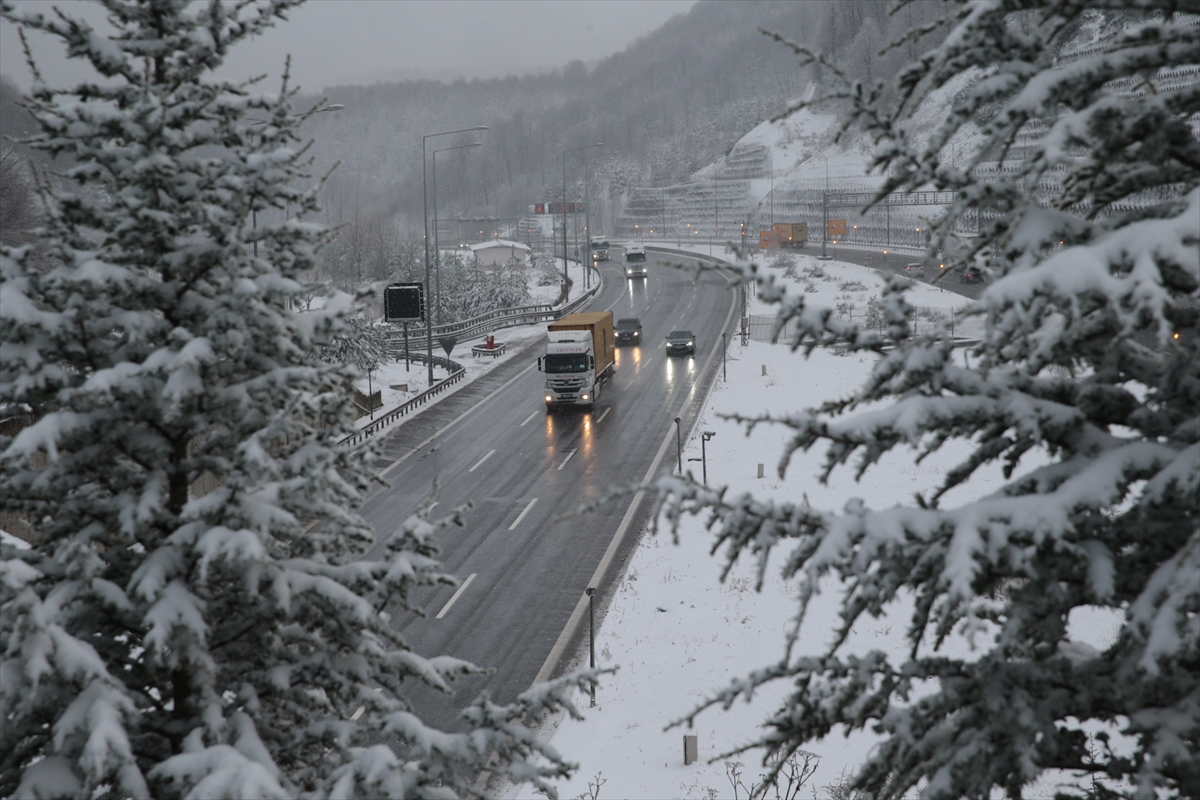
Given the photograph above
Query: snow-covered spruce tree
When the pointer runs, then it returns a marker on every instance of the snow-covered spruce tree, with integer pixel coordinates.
(1085, 390)
(157, 640)
(360, 343)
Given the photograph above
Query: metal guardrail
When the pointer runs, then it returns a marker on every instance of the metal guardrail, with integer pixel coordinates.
(501, 317)
(498, 318)
(457, 373)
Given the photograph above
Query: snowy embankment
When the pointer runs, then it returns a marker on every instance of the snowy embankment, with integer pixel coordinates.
(678, 634)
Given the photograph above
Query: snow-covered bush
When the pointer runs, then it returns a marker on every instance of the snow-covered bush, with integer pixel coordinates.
(361, 343)
(1085, 391)
(547, 269)
(469, 290)
(160, 642)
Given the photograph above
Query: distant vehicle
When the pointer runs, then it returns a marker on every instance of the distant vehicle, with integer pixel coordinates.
(970, 275)
(635, 261)
(629, 330)
(580, 358)
(599, 248)
(681, 343)
(792, 235)
(914, 270)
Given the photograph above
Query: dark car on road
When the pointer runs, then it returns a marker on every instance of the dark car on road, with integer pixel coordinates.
(628, 331)
(970, 275)
(681, 343)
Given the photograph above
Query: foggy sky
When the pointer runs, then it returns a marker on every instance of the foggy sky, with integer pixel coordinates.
(363, 41)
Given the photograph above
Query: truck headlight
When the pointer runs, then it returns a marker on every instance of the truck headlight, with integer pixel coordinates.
(549, 398)
(584, 396)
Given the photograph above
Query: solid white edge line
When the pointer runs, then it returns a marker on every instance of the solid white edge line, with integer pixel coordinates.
(568, 630)
(531, 416)
(521, 516)
(456, 420)
(570, 455)
(479, 463)
(605, 414)
(450, 602)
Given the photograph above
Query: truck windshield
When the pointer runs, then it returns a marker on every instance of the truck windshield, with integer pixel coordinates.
(599, 245)
(631, 257)
(567, 363)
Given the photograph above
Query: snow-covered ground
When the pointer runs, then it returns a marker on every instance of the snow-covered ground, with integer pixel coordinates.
(851, 286)
(677, 634)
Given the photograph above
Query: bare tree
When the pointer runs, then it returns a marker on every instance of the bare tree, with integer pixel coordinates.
(19, 210)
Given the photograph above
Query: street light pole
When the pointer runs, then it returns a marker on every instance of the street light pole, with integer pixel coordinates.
(425, 220)
(566, 279)
(253, 122)
(437, 250)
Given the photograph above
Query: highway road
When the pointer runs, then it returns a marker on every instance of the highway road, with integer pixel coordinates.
(524, 557)
(893, 262)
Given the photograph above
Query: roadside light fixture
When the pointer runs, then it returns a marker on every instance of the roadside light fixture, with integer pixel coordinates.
(703, 459)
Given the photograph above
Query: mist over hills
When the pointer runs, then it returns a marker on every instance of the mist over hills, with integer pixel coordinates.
(671, 103)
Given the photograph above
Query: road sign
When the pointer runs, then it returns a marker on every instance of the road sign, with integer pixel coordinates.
(837, 227)
(402, 302)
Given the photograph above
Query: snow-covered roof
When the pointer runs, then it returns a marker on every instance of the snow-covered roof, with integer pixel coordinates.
(475, 248)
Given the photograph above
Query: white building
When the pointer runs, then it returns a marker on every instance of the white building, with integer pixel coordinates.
(499, 252)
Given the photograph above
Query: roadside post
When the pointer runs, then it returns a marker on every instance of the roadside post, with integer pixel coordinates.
(678, 447)
(591, 594)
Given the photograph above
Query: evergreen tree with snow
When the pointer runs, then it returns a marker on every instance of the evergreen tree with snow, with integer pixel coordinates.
(1085, 391)
(360, 343)
(194, 618)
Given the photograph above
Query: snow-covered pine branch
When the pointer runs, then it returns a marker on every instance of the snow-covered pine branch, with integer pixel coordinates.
(194, 617)
(361, 343)
(1085, 391)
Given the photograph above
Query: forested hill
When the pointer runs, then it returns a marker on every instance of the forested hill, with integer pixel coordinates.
(674, 101)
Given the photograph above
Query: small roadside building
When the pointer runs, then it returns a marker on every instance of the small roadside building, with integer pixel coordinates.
(500, 252)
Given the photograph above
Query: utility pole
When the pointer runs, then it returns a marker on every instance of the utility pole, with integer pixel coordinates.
(566, 277)
(425, 220)
(824, 221)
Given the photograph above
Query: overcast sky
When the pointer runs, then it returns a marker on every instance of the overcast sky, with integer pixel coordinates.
(362, 41)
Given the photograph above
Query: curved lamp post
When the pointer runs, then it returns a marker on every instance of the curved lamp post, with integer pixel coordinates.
(425, 219)
(253, 122)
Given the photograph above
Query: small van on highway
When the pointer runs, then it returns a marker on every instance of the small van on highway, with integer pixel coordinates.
(635, 261)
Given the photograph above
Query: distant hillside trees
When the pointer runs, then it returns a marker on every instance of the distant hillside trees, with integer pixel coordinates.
(19, 210)
(1084, 393)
